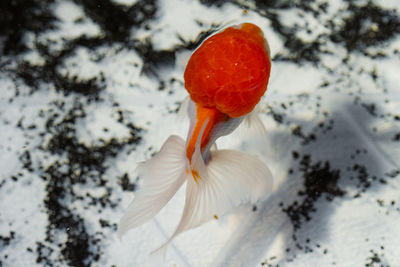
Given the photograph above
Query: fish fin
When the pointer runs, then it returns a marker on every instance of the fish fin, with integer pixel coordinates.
(182, 111)
(232, 178)
(157, 257)
(254, 122)
(255, 138)
(214, 147)
(162, 176)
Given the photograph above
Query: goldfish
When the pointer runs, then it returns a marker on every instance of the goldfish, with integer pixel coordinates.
(225, 77)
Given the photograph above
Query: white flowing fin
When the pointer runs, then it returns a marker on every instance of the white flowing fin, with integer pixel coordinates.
(251, 136)
(214, 147)
(183, 109)
(232, 178)
(162, 176)
(251, 131)
(255, 124)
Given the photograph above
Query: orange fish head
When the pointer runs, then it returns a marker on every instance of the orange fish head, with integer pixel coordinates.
(230, 70)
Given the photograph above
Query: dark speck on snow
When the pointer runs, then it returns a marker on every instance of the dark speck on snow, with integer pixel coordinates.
(73, 161)
(319, 180)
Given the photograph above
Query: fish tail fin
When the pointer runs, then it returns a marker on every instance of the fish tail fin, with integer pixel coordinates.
(162, 176)
(229, 179)
(157, 257)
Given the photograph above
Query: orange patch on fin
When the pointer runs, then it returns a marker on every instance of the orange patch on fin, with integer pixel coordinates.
(202, 115)
(195, 175)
